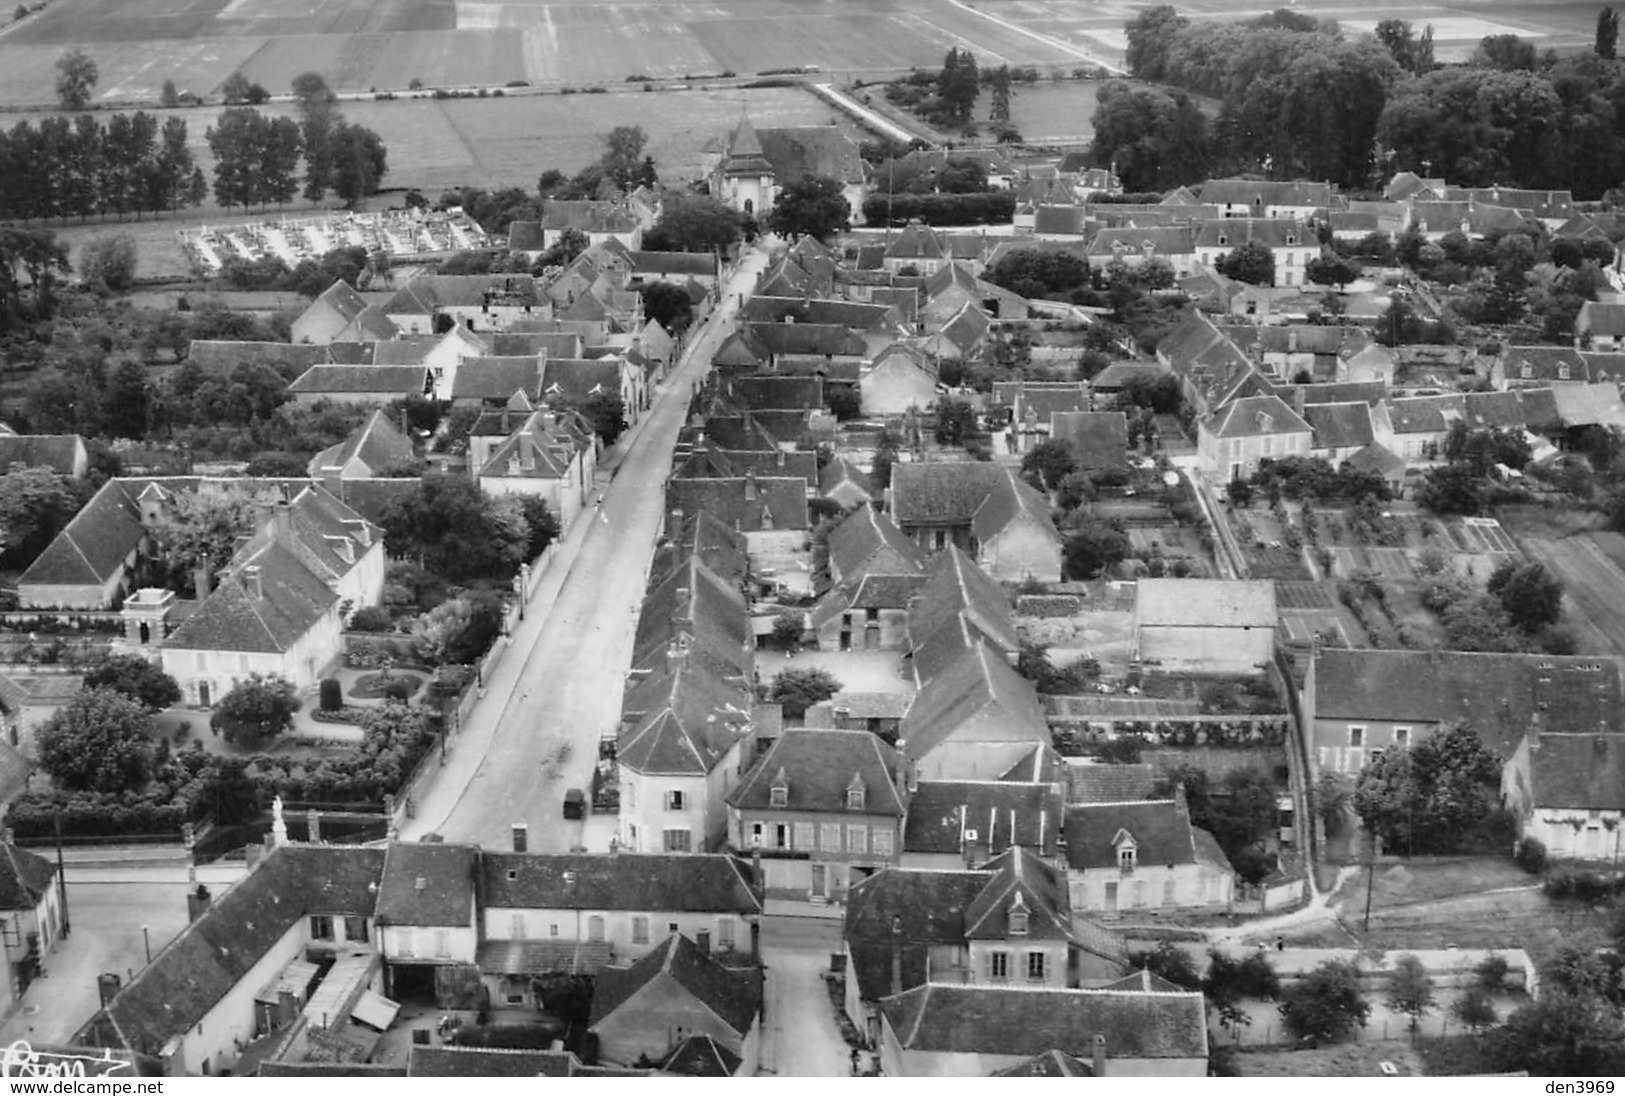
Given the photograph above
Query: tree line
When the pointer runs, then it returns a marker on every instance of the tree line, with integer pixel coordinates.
(1300, 99)
(129, 163)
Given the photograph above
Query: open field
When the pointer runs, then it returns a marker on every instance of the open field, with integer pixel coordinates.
(1594, 584)
(364, 45)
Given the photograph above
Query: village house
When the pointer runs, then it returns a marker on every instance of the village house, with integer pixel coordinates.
(478, 302)
(677, 992)
(1538, 367)
(489, 381)
(550, 455)
(1359, 703)
(1005, 922)
(1292, 245)
(598, 221)
(579, 913)
(64, 454)
(1098, 440)
(1339, 430)
(1211, 368)
(1600, 326)
(955, 824)
(1415, 428)
(940, 1030)
(277, 608)
(823, 809)
(1143, 855)
(1260, 198)
(1138, 247)
(901, 377)
(371, 385)
(983, 509)
(30, 915)
(847, 485)
(1235, 439)
(341, 315)
(955, 285)
(427, 921)
(371, 449)
(1567, 791)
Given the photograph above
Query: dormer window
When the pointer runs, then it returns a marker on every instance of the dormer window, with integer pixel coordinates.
(1224, 241)
(1527, 371)
(1126, 851)
(780, 795)
(1562, 372)
(1291, 240)
(854, 794)
(1018, 917)
(1125, 858)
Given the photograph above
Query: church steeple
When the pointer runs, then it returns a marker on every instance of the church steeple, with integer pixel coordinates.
(744, 155)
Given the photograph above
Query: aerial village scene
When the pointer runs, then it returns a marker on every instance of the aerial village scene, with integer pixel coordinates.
(955, 538)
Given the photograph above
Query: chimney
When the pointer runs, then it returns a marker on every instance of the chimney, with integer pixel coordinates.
(390, 830)
(282, 515)
(521, 837)
(896, 954)
(200, 579)
(1098, 1059)
(1292, 342)
(252, 583)
(1179, 800)
(197, 901)
(313, 827)
(420, 884)
(750, 486)
(703, 942)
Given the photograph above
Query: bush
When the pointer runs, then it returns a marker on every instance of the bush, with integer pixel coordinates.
(332, 694)
(374, 618)
(1492, 972)
(1530, 855)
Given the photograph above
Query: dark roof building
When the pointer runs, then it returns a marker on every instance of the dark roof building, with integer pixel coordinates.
(824, 771)
(1002, 814)
(642, 882)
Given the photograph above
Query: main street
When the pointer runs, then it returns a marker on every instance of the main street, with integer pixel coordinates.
(536, 732)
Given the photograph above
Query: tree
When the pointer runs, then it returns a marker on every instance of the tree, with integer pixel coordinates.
(35, 504)
(100, 741)
(798, 688)
(1452, 489)
(1170, 961)
(109, 260)
(885, 456)
(669, 306)
(694, 222)
(543, 523)
(1326, 1004)
(256, 710)
(607, 413)
(958, 83)
(1474, 1010)
(1093, 546)
(1504, 51)
(1151, 35)
(1531, 595)
(199, 530)
(1559, 1034)
(1430, 797)
(1332, 270)
(1410, 991)
(1252, 263)
(1607, 33)
(137, 678)
(1152, 138)
(445, 525)
(1049, 463)
(76, 77)
(360, 162)
(998, 81)
(788, 627)
(571, 242)
(237, 89)
(623, 159)
(956, 422)
(813, 205)
(318, 116)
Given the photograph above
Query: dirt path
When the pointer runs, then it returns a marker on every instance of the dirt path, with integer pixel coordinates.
(1322, 908)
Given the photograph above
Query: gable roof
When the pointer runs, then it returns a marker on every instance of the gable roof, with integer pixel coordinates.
(682, 719)
(342, 380)
(959, 607)
(817, 768)
(989, 1020)
(1589, 404)
(1099, 439)
(1051, 1063)
(25, 877)
(195, 971)
(1232, 232)
(1152, 241)
(272, 618)
(587, 216)
(1255, 416)
(701, 1056)
(832, 339)
(1020, 880)
(1425, 414)
(1103, 783)
(1339, 425)
(734, 996)
(976, 686)
(427, 293)
(866, 536)
(219, 357)
(497, 378)
(638, 882)
(770, 393)
(841, 471)
(1159, 829)
(778, 502)
(1266, 192)
(428, 885)
(1501, 696)
(376, 443)
(459, 1061)
(940, 811)
(576, 380)
(1577, 772)
(825, 151)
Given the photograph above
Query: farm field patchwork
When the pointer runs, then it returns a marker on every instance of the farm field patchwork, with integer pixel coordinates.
(1593, 584)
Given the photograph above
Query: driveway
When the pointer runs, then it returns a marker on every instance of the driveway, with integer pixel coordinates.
(801, 1037)
(558, 690)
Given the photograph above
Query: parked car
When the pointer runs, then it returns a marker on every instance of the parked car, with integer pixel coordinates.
(575, 803)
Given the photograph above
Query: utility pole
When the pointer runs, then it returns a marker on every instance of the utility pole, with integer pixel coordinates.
(61, 875)
(1370, 876)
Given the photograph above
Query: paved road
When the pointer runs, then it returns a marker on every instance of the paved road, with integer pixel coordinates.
(801, 1037)
(536, 732)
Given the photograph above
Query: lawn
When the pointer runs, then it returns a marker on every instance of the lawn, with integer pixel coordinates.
(1342, 1060)
(1061, 112)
